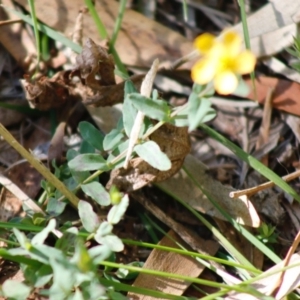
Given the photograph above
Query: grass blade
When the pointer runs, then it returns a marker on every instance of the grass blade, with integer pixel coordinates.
(251, 161)
(48, 31)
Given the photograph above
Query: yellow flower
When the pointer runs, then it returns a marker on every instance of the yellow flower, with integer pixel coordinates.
(222, 61)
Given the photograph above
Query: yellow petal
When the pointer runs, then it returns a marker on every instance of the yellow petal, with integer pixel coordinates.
(244, 62)
(232, 42)
(203, 71)
(204, 42)
(225, 82)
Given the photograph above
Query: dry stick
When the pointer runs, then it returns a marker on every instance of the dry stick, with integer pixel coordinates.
(9, 22)
(38, 166)
(146, 89)
(25, 199)
(293, 248)
(266, 185)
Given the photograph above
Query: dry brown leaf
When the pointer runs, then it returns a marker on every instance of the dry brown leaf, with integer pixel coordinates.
(93, 61)
(45, 93)
(182, 186)
(56, 147)
(95, 68)
(174, 141)
(139, 41)
(164, 261)
(285, 94)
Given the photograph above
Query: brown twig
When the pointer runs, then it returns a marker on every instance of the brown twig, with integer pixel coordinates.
(266, 185)
(9, 22)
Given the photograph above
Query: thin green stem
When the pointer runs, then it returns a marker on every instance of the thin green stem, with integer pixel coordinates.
(118, 23)
(237, 288)
(36, 31)
(100, 26)
(192, 254)
(104, 34)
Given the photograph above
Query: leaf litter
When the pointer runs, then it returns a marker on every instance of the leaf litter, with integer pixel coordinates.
(96, 89)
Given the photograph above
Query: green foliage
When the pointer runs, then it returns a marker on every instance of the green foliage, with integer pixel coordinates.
(129, 111)
(295, 51)
(91, 134)
(15, 290)
(118, 210)
(89, 219)
(154, 109)
(113, 139)
(151, 153)
(129, 275)
(199, 110)
(97, 192)
(267, 234)
(88, 162)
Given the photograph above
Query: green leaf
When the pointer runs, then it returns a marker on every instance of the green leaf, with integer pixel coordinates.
(129, 111)
(88, 217)
(129, 275)
(112, 139)
(40, 237)
(88, 162)
(121, 147)
(63, 279)
(55, 207)
(86, 147)
(99, 253)
(154, 109)
(21, 237)
(91, 134)
(77, 175)
(198, 110)
(93, 290)
(96, 191)
(81, 257)
(67, 242)
(181, 118)
(76, 296)
(104, 236)
(117, 211)
(104, 229)
(15, 290)
(43, 253)
(41, 276)
(111, 241)
(151, 153)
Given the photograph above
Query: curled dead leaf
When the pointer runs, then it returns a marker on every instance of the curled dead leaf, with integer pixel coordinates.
(95, 68)
(93, 61)
(45, 93)
(174, 141)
